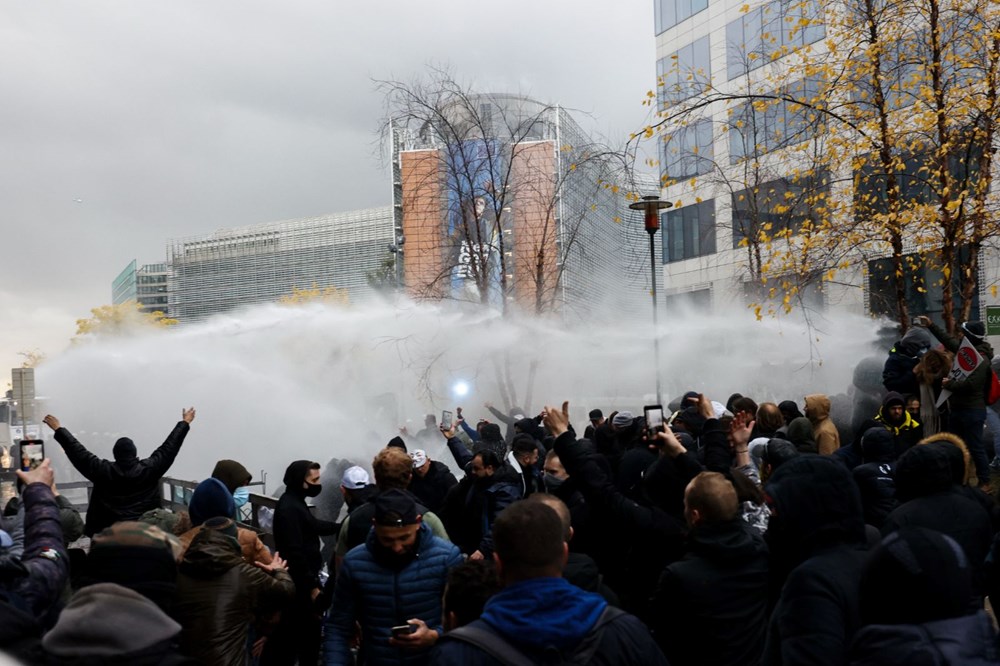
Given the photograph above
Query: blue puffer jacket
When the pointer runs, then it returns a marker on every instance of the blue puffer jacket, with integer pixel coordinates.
(380, 598)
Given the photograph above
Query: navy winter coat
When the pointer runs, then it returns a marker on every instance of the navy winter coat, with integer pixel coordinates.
(969, 641)
(381, 598)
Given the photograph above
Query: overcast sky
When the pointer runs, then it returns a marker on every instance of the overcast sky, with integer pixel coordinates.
(180, 117)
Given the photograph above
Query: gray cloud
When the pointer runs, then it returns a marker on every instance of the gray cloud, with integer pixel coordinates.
(181, 117)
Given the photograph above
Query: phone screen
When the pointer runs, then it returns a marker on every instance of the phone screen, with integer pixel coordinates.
(446, 420)
(654, 417)
(404, 629)
(32, 454)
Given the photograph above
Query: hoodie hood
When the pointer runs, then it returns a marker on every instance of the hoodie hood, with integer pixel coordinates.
(969, 640)
(877, 445)
(530, 427)
(815, 502)
(490, 432)
(963, 470)
(729, 541)
(915, 342)
(543, 611)
(295, 476)
(232, 474)
(817, 407)
(107, 620)
(800, 433)
(778, 451)
(924, 470)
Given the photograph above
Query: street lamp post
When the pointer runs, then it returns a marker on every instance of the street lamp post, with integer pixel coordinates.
(651, 206)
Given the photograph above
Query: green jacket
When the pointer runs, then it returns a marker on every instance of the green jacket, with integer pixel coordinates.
(968, 393)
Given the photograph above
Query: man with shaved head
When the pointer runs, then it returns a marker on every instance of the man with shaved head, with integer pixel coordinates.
(711, 606)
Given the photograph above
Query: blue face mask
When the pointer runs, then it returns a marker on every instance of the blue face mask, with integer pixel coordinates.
(241, 496)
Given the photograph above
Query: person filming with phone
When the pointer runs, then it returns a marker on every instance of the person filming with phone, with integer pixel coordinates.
(128, 487)
(392, 585)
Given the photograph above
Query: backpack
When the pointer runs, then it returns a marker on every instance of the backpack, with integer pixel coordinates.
(480, 634)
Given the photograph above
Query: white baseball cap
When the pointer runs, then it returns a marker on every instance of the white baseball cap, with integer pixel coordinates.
(354, 477)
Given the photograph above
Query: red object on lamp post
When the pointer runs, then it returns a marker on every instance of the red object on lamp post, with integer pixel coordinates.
(651, 206)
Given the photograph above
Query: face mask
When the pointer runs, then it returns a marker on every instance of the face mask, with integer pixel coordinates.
(313, 489)
(241, 496)
(552, 482)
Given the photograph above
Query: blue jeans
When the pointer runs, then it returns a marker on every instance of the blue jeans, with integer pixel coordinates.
(993, 425)
(968, 424)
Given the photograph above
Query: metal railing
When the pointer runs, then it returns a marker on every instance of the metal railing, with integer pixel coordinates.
(175, 495)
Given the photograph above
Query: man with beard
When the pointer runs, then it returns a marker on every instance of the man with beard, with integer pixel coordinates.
(893, 416)
(296, 537)
(474, 503)
(395, 580)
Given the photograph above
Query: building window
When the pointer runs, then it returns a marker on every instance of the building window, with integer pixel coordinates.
(924, 286)
(806, 291)
(759, 127)
(914, 179)
(671, 12)
(780, 206)
(687, 152)
(688, 232)
(754, 37)
(699, 300)
(685, 73)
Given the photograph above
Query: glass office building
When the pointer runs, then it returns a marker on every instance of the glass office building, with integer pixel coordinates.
(217, 272)
(147, 285)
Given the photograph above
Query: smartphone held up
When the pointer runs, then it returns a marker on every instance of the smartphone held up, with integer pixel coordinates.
(32, 454)
(654, 420)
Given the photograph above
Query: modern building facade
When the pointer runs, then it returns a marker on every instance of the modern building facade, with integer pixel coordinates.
(147, 285)
(731, 44)
(521, 197)
(217, 272)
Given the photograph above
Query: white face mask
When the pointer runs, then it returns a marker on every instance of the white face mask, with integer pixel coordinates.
(241, 496)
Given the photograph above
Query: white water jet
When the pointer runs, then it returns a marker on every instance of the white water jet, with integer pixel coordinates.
(273, 384)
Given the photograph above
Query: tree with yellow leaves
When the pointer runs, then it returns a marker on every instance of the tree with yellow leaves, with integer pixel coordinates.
(315, 294)
(120, 319)
(893, 105)
(31, 357)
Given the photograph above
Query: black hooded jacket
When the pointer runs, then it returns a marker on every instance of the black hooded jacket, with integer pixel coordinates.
(711, 606)
(969, 640)
(816, 529)
(897, 374)
(297, 531)
(433, 487)
(925, 486)
(128, 487)
(647, 537)
(876, 477)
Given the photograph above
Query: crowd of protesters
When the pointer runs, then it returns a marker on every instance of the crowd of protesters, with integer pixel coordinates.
(740, 533)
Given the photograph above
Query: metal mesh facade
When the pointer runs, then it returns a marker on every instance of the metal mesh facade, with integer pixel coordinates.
(217, 272)
(607, 261)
